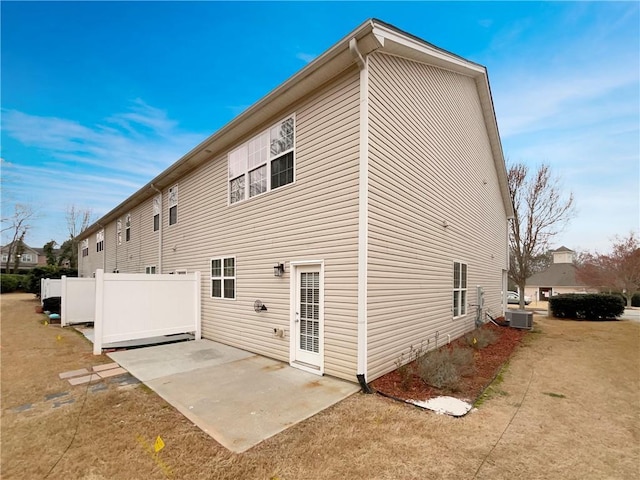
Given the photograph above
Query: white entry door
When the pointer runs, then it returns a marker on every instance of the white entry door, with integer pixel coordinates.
(308, 319)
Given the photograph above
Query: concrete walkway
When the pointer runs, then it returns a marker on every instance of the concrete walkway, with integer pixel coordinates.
(238, 398)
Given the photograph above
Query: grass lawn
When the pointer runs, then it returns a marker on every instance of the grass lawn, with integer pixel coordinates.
(566, 407)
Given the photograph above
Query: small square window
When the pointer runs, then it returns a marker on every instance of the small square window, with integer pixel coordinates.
(223, 277)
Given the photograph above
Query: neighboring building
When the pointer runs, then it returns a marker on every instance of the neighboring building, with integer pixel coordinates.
(364, 202)
(29, 258)
(559, 278)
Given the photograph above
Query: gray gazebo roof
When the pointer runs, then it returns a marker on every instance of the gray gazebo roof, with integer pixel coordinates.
(557, 275)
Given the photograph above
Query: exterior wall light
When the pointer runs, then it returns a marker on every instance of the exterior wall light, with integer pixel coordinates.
(278, 269)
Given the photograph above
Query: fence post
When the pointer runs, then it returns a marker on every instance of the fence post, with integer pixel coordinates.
(63, 301)
(99, 313)
(198, 316)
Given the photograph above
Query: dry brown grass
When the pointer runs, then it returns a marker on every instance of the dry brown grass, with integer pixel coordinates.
(593, 432)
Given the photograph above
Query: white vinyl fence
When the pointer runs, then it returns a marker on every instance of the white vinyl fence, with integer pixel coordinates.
(50, 287)
(137, 306)
(78, 300)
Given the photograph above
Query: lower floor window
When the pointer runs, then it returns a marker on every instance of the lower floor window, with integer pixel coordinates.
(223, 277)
(150, 270)
(459, 289)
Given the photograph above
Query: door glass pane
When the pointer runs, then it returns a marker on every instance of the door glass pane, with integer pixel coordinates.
(310, 312)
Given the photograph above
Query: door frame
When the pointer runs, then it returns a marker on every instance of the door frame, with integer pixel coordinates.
(293, 295)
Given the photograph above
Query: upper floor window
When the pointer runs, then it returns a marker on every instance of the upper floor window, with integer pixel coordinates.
(223, 277)
(100, 241)
(127, 228)
(459, 289)
(157, 202)
(263, 163)
(26, 257)
(5, 257)
(173, 205)
(85, 247)
(119, 231)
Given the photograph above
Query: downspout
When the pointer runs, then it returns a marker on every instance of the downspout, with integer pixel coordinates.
(159, 230)
(363, 215)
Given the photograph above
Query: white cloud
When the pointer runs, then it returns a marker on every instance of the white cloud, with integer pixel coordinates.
(93, 166)
(306, 57)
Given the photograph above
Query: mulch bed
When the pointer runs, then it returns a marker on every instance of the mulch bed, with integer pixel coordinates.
(487, 364)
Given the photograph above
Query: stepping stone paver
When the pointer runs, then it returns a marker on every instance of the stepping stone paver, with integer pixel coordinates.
(106, 366)
(97, 387)
(112, 373)
(74, 373)
(51, 396)
(85, 379)
(65, 402)
(23, 408)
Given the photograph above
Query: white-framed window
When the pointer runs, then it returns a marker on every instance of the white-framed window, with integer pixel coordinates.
(459, 289)
(264, 163)
(26, 258)
(85, 247)
(157, 205)
(5, 257)
(100, 241)
(223, 277)
(173, 205)
(119, 232)
(127, 228)
(150, 270)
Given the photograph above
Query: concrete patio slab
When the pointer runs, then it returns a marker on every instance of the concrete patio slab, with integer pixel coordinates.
(162, 360)
(238, 398)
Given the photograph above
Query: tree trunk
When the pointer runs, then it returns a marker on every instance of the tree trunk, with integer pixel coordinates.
(521, 295)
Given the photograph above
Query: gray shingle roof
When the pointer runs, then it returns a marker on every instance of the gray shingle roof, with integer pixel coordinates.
(557, 275)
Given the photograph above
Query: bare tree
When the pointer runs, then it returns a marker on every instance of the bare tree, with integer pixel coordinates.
(541, 211)
(78, 220)
(617, 271)
(17, 225)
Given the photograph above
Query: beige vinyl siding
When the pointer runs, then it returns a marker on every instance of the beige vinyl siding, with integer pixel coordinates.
(429, 161)
(141, 250)
(315, 218)
(95, 260)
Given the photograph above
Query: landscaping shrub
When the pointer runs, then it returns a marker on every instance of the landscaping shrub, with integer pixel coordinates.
(593, 306)
(443, 368)
(480, 338)
(11, 282)
(635, 300)
(50, 271)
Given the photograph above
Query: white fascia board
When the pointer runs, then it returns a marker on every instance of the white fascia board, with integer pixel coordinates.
(400, 44)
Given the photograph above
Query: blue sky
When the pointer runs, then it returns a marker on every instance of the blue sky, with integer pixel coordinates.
(98, 98)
